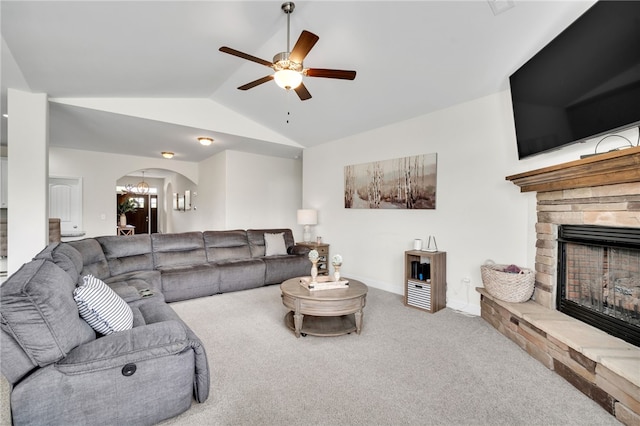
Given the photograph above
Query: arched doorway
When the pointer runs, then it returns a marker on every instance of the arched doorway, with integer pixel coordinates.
(153, 192)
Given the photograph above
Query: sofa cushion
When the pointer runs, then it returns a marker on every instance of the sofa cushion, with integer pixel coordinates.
(256, 239)
(182, 249)
(281, 268)
(15, 361)
(224, 245)
(65, 256)
(149, 280)
(127, 254)
(274, 244)
(136, 287)
(241, 274)
(188, 282)
(93, 260)
(101, 307)
(39, 312)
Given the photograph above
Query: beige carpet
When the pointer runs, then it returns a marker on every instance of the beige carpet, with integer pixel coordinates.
(406, 368)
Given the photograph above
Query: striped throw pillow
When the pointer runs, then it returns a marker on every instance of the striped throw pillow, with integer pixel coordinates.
(101, 307)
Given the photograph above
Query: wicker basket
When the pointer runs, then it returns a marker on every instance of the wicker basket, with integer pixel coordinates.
(508, 286)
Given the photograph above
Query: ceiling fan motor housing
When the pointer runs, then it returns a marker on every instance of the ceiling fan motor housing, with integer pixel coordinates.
(281, 62)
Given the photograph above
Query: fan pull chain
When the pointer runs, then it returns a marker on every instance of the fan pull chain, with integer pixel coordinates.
(288, 102)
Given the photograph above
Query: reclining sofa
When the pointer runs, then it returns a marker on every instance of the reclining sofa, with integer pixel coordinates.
(62, 371)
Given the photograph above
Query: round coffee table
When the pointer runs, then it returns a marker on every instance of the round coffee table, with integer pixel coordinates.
(324, 312)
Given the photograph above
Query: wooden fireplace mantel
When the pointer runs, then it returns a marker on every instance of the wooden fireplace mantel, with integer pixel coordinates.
(604, 169)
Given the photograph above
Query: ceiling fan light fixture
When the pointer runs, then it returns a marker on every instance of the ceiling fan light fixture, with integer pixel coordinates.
(167, 154)
(288, 79)
(205, 141)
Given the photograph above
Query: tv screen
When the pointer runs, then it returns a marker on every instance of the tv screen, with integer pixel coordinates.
(585, 83)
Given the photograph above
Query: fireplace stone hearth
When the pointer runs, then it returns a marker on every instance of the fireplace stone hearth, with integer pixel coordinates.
(600, 190)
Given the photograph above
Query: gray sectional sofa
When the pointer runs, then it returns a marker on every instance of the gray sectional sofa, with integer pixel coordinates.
(63, 372)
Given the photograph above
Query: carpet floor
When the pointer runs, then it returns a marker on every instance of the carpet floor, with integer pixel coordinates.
(407, 367)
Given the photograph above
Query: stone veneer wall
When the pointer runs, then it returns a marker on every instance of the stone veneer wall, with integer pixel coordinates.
(610, 205)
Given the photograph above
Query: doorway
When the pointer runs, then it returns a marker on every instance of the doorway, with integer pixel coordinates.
(145, 218)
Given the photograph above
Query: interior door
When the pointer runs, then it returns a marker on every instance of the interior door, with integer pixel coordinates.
(65, 202)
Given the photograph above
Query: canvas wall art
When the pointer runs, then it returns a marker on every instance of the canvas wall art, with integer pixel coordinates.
(401, 183)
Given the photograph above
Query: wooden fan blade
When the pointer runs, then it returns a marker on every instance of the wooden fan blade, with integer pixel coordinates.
(326, 73)
(302, 47)
(302, 92)
(246, 56)
(256, 82)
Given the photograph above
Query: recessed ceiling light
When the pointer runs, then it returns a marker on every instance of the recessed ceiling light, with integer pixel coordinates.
(205, 141)
(167, 154)
(5, 115)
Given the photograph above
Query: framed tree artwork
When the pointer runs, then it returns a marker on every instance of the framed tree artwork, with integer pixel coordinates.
(400, 183)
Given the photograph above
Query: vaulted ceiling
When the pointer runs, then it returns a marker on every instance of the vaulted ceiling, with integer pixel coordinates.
(141, 77)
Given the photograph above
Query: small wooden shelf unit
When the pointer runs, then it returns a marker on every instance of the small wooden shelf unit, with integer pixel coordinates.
(429, 293)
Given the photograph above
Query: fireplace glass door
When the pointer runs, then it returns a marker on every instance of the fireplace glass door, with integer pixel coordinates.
(604, 279)
(600, 281)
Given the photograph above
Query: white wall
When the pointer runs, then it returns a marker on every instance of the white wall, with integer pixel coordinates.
(479, 215)
(232, 189)
(180, 220)
(263, 192)
(27, 176)
(100, 172)
(210, 201)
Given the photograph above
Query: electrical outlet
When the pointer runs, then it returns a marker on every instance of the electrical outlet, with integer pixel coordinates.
(466, 281)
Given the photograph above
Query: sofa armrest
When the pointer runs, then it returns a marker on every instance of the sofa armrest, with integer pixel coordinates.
(299, 250)
(124, 347)
(138, 344)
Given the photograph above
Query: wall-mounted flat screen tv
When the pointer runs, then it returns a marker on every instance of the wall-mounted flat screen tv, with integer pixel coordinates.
(584, 83)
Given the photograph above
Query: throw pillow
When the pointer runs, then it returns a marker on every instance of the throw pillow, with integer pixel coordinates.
(274, 244)
(101, 307)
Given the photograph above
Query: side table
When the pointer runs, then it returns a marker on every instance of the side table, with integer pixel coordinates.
(126, 230)
(323, 253)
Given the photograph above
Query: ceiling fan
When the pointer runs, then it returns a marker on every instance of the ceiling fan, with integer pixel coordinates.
(288, 66)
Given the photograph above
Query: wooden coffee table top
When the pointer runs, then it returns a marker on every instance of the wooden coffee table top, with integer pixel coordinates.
(292, 287)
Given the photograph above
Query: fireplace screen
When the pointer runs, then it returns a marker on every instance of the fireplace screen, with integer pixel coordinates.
(604, 279)
(599, 278)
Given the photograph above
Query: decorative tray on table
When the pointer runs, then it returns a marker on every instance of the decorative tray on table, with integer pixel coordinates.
(323, 283)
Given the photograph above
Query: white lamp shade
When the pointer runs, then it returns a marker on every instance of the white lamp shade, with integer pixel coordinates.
(288, 79)
(307, 217)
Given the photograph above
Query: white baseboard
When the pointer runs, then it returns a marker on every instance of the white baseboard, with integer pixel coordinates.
(457, 305)
(462, 306)
(379, 284)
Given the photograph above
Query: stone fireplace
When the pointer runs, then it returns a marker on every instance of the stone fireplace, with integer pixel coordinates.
(602, 191)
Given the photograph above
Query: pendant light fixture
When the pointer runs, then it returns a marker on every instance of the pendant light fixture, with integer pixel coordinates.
(143, 187)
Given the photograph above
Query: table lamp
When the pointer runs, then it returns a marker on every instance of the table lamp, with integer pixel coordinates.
(307, 217)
